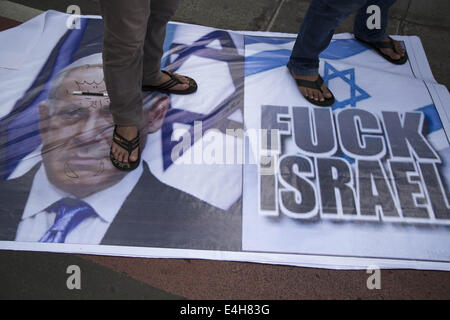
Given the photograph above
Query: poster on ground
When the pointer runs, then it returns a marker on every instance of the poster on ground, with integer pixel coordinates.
(245, 169)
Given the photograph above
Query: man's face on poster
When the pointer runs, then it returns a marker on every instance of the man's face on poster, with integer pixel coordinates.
(77, 132)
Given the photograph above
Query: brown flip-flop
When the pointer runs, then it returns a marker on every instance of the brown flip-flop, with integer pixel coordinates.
(130, 146)
(173, 81)
(318, 86)
(385, 44)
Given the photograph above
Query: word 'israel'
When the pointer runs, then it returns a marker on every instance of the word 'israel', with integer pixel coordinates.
(349, 165)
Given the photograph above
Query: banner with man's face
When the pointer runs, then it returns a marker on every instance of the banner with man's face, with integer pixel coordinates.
(244, 169)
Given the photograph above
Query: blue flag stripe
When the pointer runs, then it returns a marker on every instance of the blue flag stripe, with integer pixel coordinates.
(432, 120)
(271, 59)
(21, 126)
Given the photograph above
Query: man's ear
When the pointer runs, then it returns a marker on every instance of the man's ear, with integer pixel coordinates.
(155, 116)
(44, 117)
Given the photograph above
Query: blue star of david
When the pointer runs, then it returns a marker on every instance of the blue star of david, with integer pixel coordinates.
(356, 93)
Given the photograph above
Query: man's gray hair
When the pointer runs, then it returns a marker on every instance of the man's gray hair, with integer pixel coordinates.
(92, 60)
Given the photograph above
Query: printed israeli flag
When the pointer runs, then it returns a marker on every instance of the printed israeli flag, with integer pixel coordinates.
(359, 79)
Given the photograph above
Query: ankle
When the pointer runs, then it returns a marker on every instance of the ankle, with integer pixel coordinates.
(126, 128)
(127, 131)
(154, 80)
(307, 77)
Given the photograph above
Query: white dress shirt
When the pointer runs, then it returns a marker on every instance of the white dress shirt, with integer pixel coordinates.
(36, 221)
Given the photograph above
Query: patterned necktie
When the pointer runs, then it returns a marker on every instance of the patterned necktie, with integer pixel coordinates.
(69, 214)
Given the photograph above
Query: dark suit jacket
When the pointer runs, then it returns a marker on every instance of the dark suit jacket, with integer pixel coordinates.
(153, 215)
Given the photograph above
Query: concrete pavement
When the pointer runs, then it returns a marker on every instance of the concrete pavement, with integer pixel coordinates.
(426, 19)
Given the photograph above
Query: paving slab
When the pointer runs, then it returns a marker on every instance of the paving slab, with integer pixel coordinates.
(228, 14)
(40, 275)
(431, 13)
(203, 279)
(17, 12)
(399, 9)
(436, 42)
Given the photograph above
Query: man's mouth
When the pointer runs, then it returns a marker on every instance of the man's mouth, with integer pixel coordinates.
(72, 168)
(162, 100)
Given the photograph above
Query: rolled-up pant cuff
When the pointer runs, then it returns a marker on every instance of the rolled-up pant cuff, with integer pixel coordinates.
(152, 78)
(126, 123)
(128, 118)
(370, 37)
(302, 71)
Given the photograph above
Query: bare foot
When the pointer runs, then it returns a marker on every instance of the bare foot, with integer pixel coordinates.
(129, 133)
(394, 54)
(314, 93)
(165, 77)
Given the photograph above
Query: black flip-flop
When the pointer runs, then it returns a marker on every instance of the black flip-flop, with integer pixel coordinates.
(173, 81)
(318, 86)
(128, 145)
(385, 44)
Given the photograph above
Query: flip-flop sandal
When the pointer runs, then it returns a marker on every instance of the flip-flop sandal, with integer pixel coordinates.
(173, 81)
(385, 44)
(315, 85)
(128, 145)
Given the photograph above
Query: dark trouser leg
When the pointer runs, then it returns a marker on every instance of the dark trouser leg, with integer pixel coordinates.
(316, 31)
(161, 11)
(123, 45)
(360, 27)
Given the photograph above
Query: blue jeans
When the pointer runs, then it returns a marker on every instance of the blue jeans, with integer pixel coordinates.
(317, 29)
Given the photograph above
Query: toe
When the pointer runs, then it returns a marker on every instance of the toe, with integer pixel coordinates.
(321, 97)
(304, 92)
(395, 56)
(125, 157)
(182, 79)
(326, 92)
(116, 153)
(185, 80)
(119, 156)
(316, 95)
(400, 49)
(134, 156)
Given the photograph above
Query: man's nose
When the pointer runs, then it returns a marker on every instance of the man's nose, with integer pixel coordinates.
(94, 128)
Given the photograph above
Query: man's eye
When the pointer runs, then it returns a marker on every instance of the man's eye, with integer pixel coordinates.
(105, 110)
(70, 114)
(78, 111)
